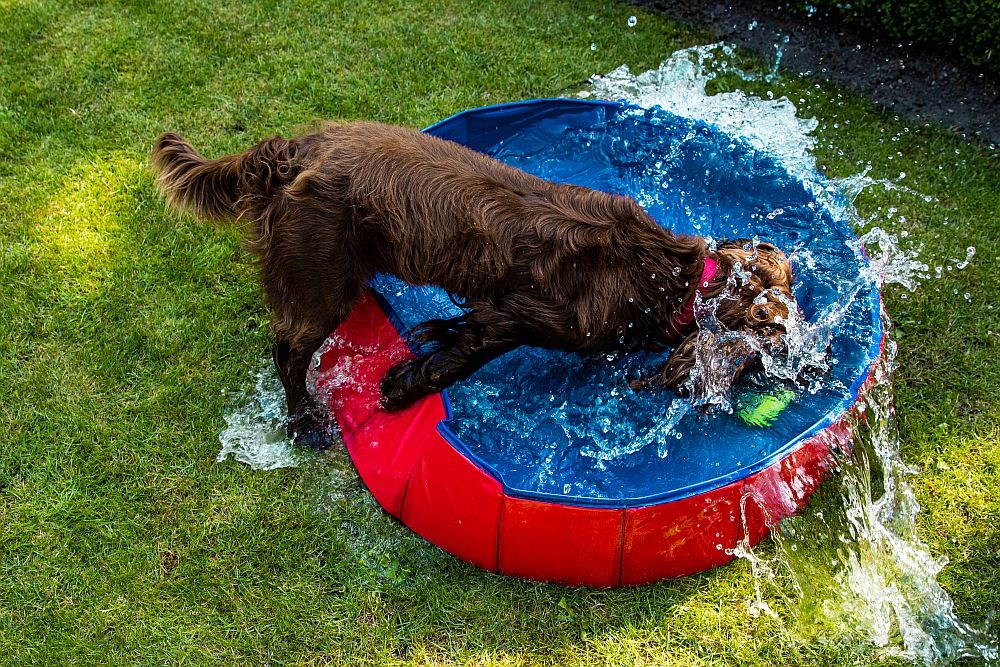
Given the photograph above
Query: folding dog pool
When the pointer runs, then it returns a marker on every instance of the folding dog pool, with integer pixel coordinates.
(545, 465)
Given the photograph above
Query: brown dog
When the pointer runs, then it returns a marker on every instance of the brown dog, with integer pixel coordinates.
(537, 263)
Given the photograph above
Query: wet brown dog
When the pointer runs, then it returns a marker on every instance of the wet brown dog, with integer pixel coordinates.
(536, 263)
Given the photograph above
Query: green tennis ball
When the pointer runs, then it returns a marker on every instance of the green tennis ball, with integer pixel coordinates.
(762, 409)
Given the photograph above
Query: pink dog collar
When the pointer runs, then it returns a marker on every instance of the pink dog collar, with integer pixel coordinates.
(679, 325)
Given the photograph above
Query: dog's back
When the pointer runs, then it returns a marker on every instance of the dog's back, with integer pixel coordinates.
(394, 200)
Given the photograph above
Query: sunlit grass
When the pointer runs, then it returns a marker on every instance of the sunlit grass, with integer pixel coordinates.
(76, 231)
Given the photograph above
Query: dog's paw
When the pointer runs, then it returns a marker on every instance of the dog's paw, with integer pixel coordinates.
(308, 428)
(316, 439)
(401, 386)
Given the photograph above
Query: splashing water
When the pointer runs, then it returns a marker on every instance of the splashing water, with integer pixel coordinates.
(852, 558)
(255, 426)
(678, 86)
(851, 565)
(852, 186)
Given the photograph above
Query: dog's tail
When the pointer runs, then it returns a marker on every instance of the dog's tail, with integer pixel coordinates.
(220, 189)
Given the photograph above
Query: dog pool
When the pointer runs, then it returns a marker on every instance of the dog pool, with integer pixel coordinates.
(546, 464)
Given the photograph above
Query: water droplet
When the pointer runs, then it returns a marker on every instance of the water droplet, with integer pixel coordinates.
(970, 252)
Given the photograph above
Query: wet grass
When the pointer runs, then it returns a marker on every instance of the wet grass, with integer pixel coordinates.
(123, 327)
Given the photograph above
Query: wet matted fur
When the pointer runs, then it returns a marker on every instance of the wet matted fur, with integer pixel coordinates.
(535, 262)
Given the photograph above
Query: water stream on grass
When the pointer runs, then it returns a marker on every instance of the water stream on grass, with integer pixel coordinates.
(255, 426)
(851, 564)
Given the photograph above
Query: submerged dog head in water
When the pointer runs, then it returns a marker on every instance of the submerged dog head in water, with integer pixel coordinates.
(739, 313)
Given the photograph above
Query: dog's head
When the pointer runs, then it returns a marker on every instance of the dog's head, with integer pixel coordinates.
(757, 299)
(744, 315)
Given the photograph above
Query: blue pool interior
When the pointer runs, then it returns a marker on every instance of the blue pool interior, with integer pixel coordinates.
(565, 428)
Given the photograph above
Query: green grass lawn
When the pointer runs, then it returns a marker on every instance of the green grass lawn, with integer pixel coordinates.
(124, 327)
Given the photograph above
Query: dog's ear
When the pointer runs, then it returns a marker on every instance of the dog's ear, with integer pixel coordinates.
(704, 367)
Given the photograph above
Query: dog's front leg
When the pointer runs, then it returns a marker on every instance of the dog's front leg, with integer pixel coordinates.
(471, 345)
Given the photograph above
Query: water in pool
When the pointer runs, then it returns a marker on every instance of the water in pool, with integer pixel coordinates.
(557, 424)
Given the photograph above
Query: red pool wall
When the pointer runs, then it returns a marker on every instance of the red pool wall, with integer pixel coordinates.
(419, 477)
